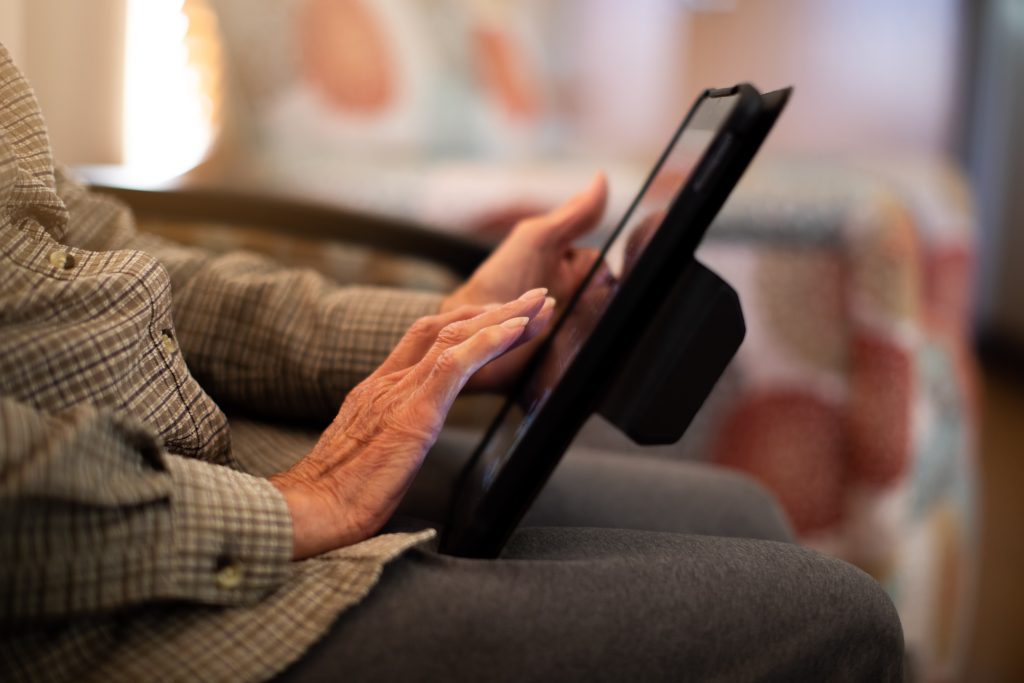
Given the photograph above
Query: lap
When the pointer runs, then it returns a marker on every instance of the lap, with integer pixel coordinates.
(601, 489)
(661, 596)
(590, 487)
(609, 604)
(593, 488)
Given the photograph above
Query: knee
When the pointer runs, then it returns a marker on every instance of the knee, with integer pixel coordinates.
(760, 512)
(879, 626)
(861, 627)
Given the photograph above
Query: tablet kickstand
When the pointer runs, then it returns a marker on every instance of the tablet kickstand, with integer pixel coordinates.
(677, 360)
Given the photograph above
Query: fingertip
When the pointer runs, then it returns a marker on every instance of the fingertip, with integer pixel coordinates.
(517, 323)
(534, 294)
(540, 320)
(598, 187)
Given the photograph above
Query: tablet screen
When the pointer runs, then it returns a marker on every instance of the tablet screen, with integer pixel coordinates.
(620, 253)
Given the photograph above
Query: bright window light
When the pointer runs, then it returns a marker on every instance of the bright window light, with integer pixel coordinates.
(166, 126)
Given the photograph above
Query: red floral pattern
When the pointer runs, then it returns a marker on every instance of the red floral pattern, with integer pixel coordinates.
(792, 442)
(879, 414)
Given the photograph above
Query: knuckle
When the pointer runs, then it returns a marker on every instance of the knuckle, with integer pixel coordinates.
(452, 333)
(532, 227)
(424, 327)
(419, 424)
(525, 224)
(449, 362)
(380, 402)
(388, 416)
(359, 391)
(362, 393)
(494, 337)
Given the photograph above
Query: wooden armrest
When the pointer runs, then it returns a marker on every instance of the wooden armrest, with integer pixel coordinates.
(296, 216)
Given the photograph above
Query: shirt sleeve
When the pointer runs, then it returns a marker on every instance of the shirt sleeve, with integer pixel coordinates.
(278, 341)
(94, 515)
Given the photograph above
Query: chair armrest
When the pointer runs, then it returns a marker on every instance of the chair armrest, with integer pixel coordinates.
(296, 216)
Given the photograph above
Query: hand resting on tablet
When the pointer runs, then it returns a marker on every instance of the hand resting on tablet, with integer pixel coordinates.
(349, 485)
(539, 252)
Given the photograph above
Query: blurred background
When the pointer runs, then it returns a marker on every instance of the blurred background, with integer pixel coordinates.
(877, 243)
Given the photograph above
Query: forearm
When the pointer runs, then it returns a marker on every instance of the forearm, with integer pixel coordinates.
(94, 516)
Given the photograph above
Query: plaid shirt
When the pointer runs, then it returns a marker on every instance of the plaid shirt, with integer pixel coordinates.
(132, 547)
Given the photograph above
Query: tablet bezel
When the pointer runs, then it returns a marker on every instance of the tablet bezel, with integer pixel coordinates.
(479, 522)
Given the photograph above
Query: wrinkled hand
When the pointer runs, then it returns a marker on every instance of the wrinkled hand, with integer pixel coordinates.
(538, 252)
(350, 484)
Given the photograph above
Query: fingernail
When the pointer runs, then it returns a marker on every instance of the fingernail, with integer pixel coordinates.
(534, 294)
(549, 303)
(513, 323)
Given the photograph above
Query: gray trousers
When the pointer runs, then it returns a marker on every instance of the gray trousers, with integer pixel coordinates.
(627, 569)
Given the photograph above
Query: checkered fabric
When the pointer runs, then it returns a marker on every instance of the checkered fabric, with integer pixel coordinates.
(132, 546)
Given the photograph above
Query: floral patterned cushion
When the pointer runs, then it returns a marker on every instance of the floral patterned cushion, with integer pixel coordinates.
(853, 396)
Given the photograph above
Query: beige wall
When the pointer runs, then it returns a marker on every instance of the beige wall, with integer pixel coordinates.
(11, 21)
(73, 54)
(869, 74)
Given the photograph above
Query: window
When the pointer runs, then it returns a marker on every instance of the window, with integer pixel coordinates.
(171, 90)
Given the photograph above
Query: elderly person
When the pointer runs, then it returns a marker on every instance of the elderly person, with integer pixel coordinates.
(134, 547)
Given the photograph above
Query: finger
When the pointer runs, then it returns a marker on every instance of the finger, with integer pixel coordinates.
(528, 305)
(538, 323)
(582, 259)
(449, 372)
(575, 218)
(578, 264)
(421, 335)
(527, 343)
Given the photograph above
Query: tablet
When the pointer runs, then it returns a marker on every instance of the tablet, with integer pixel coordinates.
(573, 369)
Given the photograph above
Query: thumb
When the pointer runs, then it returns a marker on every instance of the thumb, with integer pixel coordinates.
(576, 217)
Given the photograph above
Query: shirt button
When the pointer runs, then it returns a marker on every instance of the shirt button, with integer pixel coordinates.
(62, 259)
(168, 343)
(230, 576)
